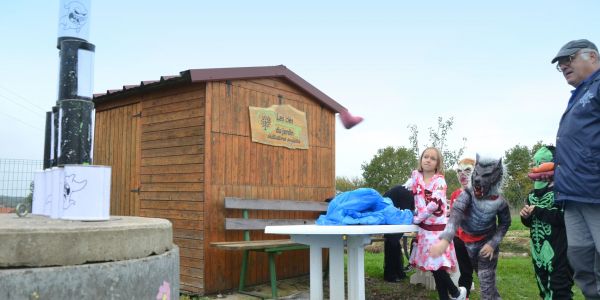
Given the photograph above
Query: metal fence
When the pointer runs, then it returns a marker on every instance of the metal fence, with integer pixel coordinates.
(16, 178)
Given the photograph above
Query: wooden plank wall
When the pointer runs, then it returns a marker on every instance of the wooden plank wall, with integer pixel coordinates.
(116, 144)
(168, 166)
(172, 172)
(235, 166)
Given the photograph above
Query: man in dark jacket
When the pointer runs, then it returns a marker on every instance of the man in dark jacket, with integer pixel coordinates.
(393, 262)
(577, 171)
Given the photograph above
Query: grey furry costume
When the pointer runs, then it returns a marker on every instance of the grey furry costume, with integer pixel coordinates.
(475, 212)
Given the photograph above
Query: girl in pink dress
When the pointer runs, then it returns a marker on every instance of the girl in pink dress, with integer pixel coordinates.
(429, 189)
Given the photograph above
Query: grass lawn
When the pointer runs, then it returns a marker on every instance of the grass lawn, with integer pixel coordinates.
(515, 277)
(516, 224)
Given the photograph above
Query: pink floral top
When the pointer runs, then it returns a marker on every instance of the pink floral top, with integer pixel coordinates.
(434, 192)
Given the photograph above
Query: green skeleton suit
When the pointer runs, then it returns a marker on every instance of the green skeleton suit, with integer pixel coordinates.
(548, 237)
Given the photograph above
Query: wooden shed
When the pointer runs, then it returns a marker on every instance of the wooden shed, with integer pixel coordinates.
(179, 145)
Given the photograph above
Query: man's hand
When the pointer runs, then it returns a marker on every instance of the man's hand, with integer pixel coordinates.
(439, 248)
(487, 251)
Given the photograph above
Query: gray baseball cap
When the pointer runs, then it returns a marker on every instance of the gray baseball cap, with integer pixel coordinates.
(572, 47)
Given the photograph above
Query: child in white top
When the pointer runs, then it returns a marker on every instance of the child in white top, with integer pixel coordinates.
(429, 190)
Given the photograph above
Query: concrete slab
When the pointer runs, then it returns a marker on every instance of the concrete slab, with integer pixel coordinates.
(153, 277)
(38, 241)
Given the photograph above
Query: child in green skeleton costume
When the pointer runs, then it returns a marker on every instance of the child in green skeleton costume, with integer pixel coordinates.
(547, 230)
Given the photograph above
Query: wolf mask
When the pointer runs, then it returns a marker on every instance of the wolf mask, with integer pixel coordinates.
(487, 177)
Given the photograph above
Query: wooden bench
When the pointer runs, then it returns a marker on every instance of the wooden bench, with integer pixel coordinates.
(271, 247)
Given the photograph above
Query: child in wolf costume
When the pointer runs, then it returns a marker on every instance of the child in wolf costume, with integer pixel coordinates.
(475, 211)
(545, 219)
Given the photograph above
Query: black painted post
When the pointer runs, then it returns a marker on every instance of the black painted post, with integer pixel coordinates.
(47, 141)
(76, 131)
(54, 136)
(75, 106)
(69, 80)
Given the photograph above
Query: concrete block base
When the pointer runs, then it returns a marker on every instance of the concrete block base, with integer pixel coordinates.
(38, 241)
(151, 277)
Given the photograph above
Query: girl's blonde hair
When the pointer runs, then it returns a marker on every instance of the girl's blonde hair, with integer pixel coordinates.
(439, 168)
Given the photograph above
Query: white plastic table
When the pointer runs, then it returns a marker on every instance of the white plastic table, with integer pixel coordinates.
(332, 237)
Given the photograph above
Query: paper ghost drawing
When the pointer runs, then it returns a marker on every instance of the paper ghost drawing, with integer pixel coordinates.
(76, 16)
(71, 186)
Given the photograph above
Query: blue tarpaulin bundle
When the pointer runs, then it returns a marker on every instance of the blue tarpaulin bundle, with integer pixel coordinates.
(364, 206)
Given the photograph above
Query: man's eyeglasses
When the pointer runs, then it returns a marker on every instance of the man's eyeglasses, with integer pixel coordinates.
(565, 61)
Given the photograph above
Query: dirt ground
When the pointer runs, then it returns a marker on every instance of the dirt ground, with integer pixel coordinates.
(516, 243)
(298, 288)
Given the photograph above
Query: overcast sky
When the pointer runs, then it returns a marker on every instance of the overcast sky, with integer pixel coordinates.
(393, 62)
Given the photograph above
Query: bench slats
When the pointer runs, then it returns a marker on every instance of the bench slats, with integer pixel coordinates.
(259, 224)
(270, 247)
(256, 245)
(262, 204)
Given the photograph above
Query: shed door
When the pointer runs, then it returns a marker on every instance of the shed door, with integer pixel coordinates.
(117, 144)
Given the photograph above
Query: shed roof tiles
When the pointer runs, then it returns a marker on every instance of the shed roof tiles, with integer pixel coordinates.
(218, 74)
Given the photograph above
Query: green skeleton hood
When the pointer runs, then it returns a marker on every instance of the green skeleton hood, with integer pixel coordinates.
(543, 155)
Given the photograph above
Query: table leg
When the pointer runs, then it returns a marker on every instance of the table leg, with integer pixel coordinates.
(316, 273)
(336, 268)
(356, 266)
(335, 243)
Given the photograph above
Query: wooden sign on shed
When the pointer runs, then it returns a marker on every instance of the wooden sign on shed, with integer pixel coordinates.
(179, 145)
(279, 125)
